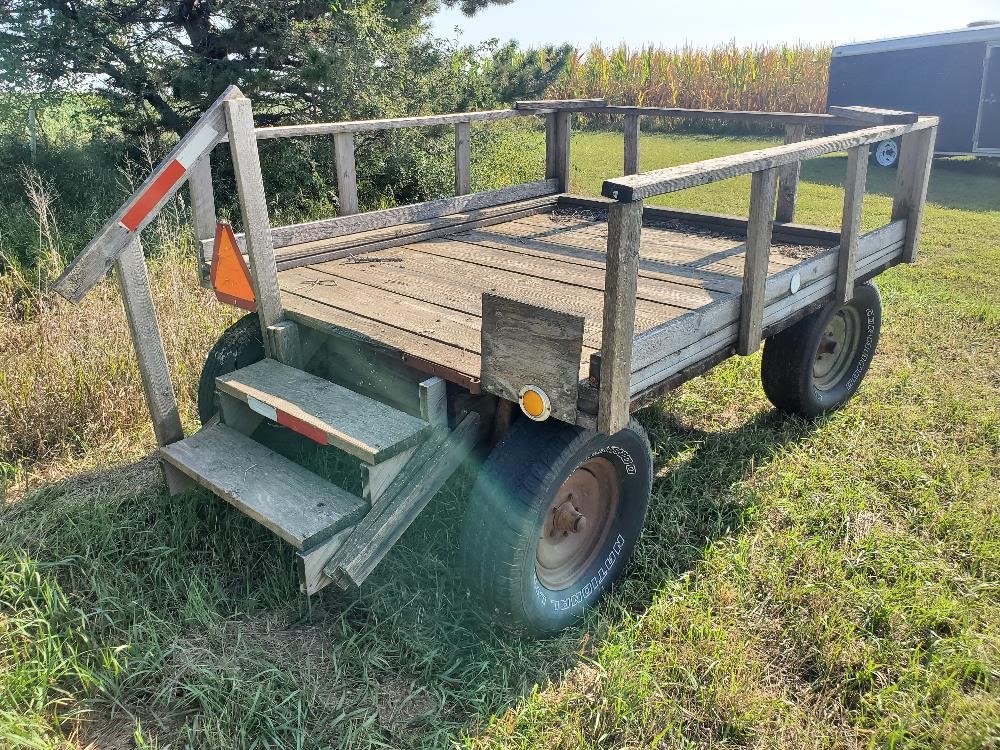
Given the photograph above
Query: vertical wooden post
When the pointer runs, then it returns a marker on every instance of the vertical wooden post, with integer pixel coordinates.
(632, 129)
(434, 401)
(550, 146)
(202, 210)
(463, 158)
(347, 173)
(912, 177)
(759, 227)
(286, 343)
(560, 149)
(850, 224)
(133, 282)
(256, 225)
(620, 281)
(789, 177)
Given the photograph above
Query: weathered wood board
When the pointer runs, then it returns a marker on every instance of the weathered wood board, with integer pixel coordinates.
(658, 182)
(423, 298)
(297, 505)
(524, 344)
(358, 425)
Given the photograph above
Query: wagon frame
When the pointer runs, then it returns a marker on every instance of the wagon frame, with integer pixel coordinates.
(410, 411)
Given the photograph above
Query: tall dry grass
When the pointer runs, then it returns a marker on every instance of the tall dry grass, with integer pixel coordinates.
(69, 378)
(782, 78)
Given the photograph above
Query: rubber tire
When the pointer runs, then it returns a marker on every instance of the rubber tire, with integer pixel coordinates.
(895, 162)
(508, 506)
(787, 364)
(240, 345)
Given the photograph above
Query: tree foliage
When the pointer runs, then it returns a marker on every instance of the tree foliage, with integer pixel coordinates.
(161, 62)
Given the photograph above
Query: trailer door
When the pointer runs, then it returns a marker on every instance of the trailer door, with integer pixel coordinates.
(988, 126)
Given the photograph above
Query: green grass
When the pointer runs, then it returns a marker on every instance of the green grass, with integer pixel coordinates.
(834, 584)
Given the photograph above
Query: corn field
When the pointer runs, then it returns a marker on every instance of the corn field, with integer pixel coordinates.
(785, 78)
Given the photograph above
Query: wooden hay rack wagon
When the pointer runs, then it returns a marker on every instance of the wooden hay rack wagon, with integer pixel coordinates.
(500, 317)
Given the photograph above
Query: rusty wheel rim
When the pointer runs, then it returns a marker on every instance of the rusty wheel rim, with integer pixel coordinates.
(577, 524)
(837, 348)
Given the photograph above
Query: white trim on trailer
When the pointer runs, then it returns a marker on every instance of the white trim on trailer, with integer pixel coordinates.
(976, 149)
(934, 39)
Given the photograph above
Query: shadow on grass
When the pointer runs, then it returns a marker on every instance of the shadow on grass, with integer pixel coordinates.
(218, 641)
(959, 183)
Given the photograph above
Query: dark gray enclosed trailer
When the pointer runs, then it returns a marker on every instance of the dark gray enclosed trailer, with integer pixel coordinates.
(952, 74)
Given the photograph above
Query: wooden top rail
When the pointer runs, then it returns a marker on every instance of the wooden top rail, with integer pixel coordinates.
(582, 106)
(645, 185)
(564, 105)
(550, 106)
(423, 121)
(728, 115)
(89, 267)
(875, 116)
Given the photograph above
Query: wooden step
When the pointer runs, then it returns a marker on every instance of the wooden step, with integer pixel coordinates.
(297, 505)
(425, 473)
(323, 411)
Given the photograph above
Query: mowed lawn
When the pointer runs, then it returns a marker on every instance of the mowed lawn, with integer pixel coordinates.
(832, 584)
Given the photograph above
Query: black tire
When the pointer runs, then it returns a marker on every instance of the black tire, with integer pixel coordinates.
(886, 153)
(510, 507)
(240, 345)
(800, 379)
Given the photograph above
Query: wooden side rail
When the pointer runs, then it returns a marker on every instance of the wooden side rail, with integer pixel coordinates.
(253, 206)
(203, 216)
(659, 182)
(620, 283)
(728, 115)
(795, 124)
(394, 123)
(617, 364)
(788, 177)
(558, 114)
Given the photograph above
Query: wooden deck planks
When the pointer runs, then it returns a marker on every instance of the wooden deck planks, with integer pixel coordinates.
(555, 267)
(693, 243)
(682, 279)
(460, 363)
(362, 242)
(424, 298)
(437, 322)
(724, 257)
(426, 289)
(447, 334)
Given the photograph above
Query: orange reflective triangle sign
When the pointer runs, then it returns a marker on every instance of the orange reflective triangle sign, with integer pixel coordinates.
(230, 275)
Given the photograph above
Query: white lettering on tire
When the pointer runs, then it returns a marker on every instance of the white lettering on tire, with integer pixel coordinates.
(620, 453)
(865, 351)
(592, 586)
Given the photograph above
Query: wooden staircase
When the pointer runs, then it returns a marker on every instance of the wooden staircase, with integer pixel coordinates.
(339, 536)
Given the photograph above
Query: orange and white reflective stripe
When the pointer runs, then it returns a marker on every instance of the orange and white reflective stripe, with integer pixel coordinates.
(287, 420)
(170, 176)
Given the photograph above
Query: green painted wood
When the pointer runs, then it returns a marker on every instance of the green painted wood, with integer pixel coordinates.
(297, 505)
(358, 425)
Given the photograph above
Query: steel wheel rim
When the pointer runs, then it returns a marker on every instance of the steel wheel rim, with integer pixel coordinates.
(886, 153)
(837, 347)
(563, 554)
